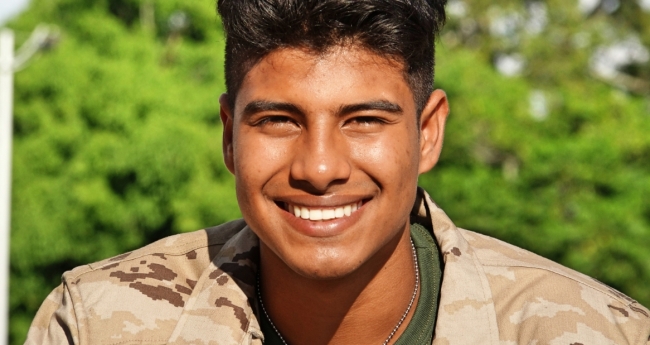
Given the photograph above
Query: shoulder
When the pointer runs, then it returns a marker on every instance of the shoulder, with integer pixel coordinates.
(192, 248)
(164, 272)
(541, 300)
(136, 296)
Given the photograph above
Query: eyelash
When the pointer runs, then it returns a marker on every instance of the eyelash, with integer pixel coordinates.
(273, 120)
(361, 120)
(368, 120)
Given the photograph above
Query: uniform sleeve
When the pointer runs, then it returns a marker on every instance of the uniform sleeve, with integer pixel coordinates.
(55, 321)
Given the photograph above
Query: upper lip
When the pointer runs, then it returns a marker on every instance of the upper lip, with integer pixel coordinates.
(324, 201)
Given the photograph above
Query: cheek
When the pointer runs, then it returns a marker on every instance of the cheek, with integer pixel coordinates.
(392, 159)
(258, 159)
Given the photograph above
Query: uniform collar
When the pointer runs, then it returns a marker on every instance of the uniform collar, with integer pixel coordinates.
(229, 285)
(466, 313)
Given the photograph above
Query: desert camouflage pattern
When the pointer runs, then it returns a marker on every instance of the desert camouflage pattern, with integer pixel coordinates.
(198, 288)
(185, 289)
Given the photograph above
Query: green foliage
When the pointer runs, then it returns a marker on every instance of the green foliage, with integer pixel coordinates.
(577, 196)
(117, 139)
(571, 184)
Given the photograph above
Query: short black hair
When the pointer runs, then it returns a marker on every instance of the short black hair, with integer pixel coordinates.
(402, 30)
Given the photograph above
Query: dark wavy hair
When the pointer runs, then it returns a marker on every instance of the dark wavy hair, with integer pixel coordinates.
(402, 30)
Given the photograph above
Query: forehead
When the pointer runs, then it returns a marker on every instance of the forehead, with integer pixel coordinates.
(321, 80)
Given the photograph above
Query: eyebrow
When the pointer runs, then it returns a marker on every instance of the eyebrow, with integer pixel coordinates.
(262, 105)
(381, 105)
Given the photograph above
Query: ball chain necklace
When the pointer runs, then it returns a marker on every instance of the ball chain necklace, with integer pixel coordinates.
(392, 333)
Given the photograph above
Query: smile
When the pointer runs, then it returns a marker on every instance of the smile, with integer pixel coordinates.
(316, 213)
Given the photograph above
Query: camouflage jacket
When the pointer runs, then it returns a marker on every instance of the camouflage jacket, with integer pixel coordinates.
(197, 288)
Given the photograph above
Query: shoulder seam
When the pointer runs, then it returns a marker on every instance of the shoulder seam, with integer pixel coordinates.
(90, 269)
(613, 296)
(67, 288)
(499, 263)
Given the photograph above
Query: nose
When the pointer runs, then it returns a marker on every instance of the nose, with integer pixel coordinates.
(321, 159)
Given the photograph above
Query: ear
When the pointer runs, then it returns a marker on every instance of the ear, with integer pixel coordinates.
(432, 129)
(227, 118)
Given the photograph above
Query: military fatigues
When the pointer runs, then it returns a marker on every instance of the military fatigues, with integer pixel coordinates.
(198, 288)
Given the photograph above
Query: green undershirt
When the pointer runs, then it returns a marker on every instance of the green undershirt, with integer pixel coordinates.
(420, 328)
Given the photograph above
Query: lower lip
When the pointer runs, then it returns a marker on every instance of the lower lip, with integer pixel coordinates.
(323, 228)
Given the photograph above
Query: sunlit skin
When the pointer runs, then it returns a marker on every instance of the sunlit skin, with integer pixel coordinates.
(321, 132)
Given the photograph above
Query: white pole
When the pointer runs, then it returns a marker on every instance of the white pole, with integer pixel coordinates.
(6, 134)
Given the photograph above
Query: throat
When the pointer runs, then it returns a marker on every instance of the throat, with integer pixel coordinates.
(374, 304)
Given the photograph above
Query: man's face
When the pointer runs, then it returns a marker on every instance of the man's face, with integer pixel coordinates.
(326, 154)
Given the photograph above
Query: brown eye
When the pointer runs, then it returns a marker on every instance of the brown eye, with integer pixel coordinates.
(277, 125)
(272, 120)
(367, 120)
(364, 123)
(275, 121)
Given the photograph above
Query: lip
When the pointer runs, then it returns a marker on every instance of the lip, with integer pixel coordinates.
(326, 201)
(322, 228)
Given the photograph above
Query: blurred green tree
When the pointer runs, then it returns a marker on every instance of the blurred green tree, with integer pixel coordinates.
(117, 140)
(547, 146)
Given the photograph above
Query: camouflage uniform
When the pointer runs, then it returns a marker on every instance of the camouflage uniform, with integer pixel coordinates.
(198, 288)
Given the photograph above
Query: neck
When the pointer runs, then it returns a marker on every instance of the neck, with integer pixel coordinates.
(365, 304)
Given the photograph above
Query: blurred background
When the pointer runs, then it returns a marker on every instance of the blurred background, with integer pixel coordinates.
(117, 133)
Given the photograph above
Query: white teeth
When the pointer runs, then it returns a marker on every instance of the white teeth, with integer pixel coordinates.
(316, 214)
(304, 213)
(329, 214)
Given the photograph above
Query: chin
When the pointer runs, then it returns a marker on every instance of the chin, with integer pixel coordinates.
(324, 267)
(323, 273)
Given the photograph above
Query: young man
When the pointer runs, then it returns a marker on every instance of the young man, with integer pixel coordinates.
(329, 119)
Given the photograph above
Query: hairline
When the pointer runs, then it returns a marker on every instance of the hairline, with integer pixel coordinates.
(349, 43)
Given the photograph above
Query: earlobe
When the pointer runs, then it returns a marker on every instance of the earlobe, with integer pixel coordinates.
(432, 128)
(227, 118)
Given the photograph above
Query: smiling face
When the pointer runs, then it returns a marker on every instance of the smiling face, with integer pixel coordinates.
(326, 151)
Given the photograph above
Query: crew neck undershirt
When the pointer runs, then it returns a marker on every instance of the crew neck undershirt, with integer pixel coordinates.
(420, 329)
